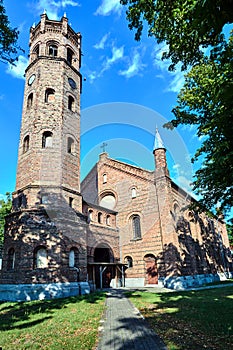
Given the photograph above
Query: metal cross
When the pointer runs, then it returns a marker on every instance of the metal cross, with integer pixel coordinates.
(104, 144)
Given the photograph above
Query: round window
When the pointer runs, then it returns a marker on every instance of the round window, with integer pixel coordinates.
(108, 201)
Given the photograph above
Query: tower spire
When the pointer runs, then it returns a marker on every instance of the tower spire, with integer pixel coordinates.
(158, 141)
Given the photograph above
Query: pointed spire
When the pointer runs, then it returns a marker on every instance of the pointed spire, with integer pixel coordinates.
(44, 13)
(158, 141)
(64, 14)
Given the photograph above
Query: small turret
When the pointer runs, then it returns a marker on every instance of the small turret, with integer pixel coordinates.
(160, 155)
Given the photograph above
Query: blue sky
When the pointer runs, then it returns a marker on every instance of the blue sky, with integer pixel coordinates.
(127, 90)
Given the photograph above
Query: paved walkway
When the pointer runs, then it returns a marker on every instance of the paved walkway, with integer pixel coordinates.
(124, 328)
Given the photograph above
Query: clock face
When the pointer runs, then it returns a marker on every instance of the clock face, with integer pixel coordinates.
(31, 79)
(72, 83)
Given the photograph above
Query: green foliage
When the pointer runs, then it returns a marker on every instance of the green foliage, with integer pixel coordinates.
(190, 320)
(5, 208)
(186, 26)
(193, 33)
(206, 100)
(69, 323)
(8, 38)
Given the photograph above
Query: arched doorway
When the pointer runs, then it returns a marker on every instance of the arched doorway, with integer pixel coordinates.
(151, 269)
(104, 271)
(102, 254)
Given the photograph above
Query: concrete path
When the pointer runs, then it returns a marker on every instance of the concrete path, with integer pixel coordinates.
(124, 328)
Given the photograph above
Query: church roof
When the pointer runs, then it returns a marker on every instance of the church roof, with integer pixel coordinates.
(158, 141)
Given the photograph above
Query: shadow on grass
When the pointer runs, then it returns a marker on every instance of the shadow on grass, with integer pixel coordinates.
(190, 320)
(17, 315)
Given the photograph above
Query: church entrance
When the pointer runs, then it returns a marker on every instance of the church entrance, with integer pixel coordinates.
(103, 272)
(151, 269)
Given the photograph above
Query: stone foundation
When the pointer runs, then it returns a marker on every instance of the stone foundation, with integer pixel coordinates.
(186, 282)
(28, 292)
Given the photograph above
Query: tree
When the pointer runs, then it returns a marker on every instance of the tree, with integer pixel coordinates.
(186, 26)
(8, 38)
(5, 208)
(206, 99)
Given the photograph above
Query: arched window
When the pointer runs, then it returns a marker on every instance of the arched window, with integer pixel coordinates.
(30, 100)
(104, 178)
(129, 261)
(49, 95)
(100, 218)
(71, 103)
(108, 220)
(53, 49)
(11, 259)
(70, 145)
(136, 227)
(70, 55)
(73, 257)
(41, 260)
(26, 144)
(108, 201)
(36, 50)
(47, 139)
(133, 192)
(90, 214)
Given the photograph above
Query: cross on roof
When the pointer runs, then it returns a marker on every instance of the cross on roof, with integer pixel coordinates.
(104, 144)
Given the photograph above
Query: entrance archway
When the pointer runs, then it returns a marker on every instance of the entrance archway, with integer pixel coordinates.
(102, 254)
(104, 272)
(151, 269)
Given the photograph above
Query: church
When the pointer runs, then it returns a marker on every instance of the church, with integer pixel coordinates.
(122, 226)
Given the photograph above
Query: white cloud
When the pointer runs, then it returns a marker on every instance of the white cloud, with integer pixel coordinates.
(18, 70)
(108, 6)
(177, 77)
(101, 43)
(134, 68)
(52, 7)
(117, 54)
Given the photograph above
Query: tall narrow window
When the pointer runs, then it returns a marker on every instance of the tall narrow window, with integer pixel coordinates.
(71, 258)
(108, 220)
(100, 218)
(11, 259)
(70, 55)
(26, 144)
(90, 214)
(71, 201)
(47, 139)
(136, 227)
(104, 178)
(70, 145)
(49, 95)
(41, 258)
(71, 103)
(53, 50)
(30, 100)
(37, 50)
(133, 192)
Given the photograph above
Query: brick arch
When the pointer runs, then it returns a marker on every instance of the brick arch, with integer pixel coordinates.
(106, 250)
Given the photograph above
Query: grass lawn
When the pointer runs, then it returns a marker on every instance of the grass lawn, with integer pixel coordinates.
(193, 320)
(70, 323)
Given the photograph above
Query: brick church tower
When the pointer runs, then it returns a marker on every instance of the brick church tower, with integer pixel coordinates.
(48, 159)
(45, 235)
